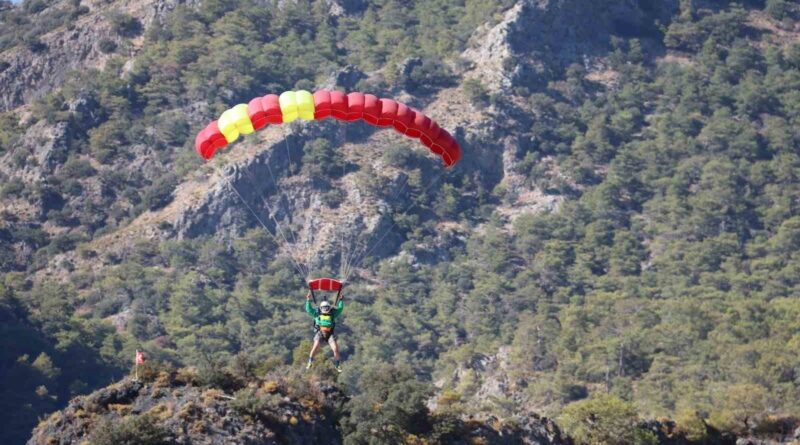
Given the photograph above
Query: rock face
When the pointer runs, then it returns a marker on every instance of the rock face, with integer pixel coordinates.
(171, 406)
(32, 74)
(538, 39)
(184, 413)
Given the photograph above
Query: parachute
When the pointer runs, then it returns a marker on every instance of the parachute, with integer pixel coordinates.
(272, 109)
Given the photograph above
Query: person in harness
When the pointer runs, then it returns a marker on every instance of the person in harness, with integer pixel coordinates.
(324, 324)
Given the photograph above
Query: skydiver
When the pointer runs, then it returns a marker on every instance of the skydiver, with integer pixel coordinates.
(324, 324)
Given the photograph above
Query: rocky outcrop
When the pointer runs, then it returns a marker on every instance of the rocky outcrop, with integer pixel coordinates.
(172, 406)
(31, 73)
(537, 39)
(179, 411)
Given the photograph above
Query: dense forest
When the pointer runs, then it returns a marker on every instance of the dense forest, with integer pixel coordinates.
(663, 282)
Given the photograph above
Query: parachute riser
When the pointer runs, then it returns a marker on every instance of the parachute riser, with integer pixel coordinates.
(313, 297)
(338, 296)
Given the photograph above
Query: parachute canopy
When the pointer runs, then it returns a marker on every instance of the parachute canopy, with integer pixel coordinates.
(293, 105)
(325, 284)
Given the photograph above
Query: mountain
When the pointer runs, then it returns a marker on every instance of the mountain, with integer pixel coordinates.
(619, 241)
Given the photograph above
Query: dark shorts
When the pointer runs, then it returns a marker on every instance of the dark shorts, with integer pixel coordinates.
(323, 337)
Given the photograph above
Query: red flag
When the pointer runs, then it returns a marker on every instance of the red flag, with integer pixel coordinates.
(139, 358)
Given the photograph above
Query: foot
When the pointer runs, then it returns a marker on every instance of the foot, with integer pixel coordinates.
(308, 366)
(338, 367)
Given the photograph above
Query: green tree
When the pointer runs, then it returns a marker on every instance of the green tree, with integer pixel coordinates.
(603, 420)
(391, 405)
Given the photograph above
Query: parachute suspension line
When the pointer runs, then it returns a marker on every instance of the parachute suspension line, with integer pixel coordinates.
(343, 255)
(351, 257)
(296, 266)
(294, 244)
(361, 258)
(342, 264)
(271, 213)
(401, 189)
(288, 152)
(306, 246)
(354, 251)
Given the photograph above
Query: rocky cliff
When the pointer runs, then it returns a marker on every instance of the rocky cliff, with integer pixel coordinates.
(33, 70)
(171, 407)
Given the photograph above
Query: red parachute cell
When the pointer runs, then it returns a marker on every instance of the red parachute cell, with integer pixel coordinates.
(388, 113)
(355, 106)
(372, 109)
(322, 104)
(431, 135)
(325, 285)
(424, 125)
(209, 140)
(404, 118)
(264, 110)
(339, 105)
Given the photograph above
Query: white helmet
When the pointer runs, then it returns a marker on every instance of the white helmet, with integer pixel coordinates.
(325, 307)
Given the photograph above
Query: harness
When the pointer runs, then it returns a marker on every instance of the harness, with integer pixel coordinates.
(327, 331)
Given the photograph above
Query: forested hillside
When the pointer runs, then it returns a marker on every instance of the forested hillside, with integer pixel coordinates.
(620, 241)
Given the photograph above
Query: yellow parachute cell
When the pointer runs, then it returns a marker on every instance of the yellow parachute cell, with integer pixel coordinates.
(234, 122)
(297, 104)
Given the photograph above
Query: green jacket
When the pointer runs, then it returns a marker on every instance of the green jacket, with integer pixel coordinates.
(325, 320)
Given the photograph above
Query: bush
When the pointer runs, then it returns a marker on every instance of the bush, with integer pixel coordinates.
(125, 25)
(107, 46)
(105, 140)
(13, 188)
(248, 402)
(159, 194)
(78, 11)
(35, 45)
(476, 92)
(34, 6)
(428, 76)
(77, 168)
(136, 430)
(321, 159)
(778, 9)
(691, 424)
(602, 420)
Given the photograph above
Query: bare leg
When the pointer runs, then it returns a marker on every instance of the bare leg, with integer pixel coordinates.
(334, 348)
(314, 350)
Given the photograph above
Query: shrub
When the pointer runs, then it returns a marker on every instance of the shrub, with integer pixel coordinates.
(13, 188)
(125, 25)
(105, 140)
(691, 424)
(248, 402)
(320, 159)
(136, 430)
(35, 45)
(107, 46)
(603, 420)
(778, 9)
(77, 168)
(476, 92)
(159, 194)
(428, 75)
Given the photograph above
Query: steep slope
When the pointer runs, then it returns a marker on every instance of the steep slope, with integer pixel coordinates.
(33, 70)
